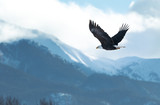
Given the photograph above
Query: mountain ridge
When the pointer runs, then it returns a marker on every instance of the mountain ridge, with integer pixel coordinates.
(43, 74)
(128, 66)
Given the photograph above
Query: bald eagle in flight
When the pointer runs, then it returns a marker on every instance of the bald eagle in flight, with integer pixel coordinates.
(107, 42)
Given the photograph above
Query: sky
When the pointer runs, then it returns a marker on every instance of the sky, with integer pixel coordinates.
(104, 5)
(68, 21)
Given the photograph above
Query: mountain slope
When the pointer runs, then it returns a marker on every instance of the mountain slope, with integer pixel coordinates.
(16, 83)
(36, 60)
(119, 90)
(140, 69)
(97, 89)
(133, 67)
(30, 72)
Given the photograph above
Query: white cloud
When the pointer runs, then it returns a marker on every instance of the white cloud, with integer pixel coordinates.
(147, 7)
(9, 32)
(69, 22)
(131, 4)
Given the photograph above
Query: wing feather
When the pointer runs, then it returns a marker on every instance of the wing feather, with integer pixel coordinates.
(99, 33)
(120, 35)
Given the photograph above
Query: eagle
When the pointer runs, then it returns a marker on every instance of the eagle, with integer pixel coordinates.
(107, 42)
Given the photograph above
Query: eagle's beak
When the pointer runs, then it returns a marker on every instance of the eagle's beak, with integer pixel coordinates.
(96, 47)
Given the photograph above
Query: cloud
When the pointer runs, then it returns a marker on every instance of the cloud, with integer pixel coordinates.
(69, 22)
(131, 4)
(9, 32)
(147, 7)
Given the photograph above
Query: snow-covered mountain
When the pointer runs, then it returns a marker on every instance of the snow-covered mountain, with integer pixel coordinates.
(140, 69)
(32, 68)
(133, 67)
(74, 55)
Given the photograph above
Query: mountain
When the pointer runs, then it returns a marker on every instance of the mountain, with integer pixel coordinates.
(44, 67)
(133, 67)
(30, 72)
(16, 83)
(36, 60)
(73, 55)
(30, 89)
(139, 68)
(120, 90)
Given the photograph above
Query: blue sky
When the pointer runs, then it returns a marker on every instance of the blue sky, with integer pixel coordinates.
(121, 6)
(68, 21)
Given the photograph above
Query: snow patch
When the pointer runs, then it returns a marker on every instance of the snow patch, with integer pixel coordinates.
(62, 98)
(73, 58)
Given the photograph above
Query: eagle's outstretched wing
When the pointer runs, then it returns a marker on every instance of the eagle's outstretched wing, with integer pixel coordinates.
(119, 36)
(99, 33)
